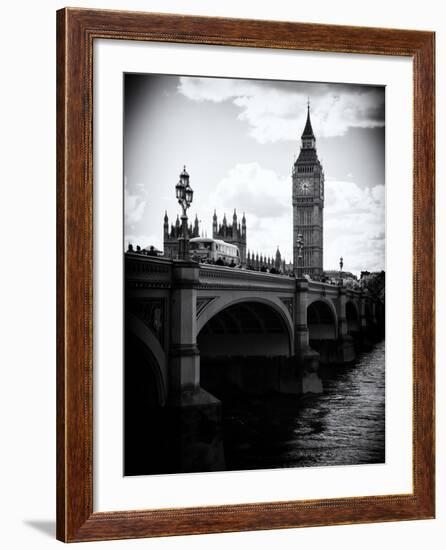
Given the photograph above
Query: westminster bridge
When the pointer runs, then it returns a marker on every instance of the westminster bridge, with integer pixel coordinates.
(190, 327)
(180, 310)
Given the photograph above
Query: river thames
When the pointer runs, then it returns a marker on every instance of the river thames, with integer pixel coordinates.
(343, 425)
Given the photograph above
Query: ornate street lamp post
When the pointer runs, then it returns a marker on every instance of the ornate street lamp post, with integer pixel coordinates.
(300, 245)
(184, 194)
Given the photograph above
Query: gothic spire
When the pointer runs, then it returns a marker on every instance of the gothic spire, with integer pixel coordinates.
(196, 230)
(308, 130)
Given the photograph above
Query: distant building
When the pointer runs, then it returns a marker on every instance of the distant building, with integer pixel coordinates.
(172, 234)
(272, 264)
(234, 233)
(344, 278)
(335, 273)
(374, 282)
(231, 233)
(278, 261)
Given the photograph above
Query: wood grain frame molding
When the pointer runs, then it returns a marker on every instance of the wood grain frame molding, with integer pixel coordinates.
(76, 31)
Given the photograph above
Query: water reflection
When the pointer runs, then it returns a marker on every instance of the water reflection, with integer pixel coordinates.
(343, 425)
(338, 421)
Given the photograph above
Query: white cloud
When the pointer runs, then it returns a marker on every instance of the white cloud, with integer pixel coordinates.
(214, 89)
(134, 203)
(252, 188)
(265, 198)
(354, 226)
(279, 113)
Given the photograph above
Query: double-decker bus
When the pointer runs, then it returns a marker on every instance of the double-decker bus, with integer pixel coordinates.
(211, 250)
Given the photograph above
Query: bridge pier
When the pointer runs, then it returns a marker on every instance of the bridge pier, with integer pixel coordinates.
(300, 376)
(365, 340)
(369, 326)
(374, 325)
(346, 347)
(184, 371)
(194, 415)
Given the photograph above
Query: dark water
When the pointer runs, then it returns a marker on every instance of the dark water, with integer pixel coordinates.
(343, 425)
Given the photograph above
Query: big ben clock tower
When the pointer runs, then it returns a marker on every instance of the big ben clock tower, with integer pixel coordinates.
(308, 205)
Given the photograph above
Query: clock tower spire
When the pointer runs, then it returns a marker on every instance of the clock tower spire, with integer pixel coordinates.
(308, 205)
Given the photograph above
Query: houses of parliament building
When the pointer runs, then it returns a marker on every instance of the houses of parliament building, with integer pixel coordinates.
(234, 233)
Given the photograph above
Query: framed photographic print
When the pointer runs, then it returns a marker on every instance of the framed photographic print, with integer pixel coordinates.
(245, 275)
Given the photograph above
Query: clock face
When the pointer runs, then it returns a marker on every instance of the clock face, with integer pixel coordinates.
(305, 187)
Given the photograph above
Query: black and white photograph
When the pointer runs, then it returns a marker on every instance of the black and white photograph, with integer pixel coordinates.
(254, 274)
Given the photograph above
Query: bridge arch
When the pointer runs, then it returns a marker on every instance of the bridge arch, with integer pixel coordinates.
(322, 320)
(247, 316)
(148, 350)
(144, 399)
(273, 304)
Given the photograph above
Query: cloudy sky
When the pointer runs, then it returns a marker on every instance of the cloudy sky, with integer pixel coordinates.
(238, 140)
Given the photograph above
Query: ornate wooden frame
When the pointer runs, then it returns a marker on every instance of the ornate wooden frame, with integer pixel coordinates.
(76, 31)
